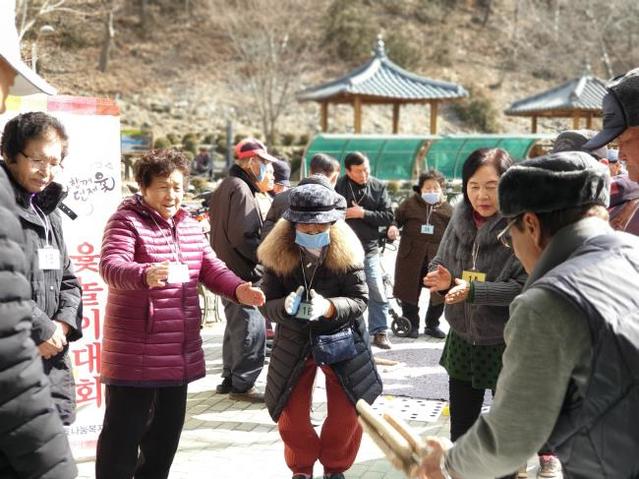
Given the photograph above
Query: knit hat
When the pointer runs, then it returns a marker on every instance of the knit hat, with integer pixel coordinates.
(553, 182)
(281, 172)
(620, 108)
(314, 203)
(574, 140)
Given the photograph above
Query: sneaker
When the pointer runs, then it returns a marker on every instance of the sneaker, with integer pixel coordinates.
(224, 387)
(381, 340)
(549, 467)
(435, 332)
(250, 395)
(522, 472)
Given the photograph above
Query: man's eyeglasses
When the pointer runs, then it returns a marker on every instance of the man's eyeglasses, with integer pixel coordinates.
(504, 235)
(41, 164)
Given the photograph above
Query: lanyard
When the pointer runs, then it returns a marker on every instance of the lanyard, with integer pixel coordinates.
(44, 220)
(308, 285)
(475, 253)
(170, 244)
(430, 209)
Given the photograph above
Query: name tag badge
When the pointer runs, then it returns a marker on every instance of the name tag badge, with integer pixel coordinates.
(178, 273)
(469, 276)
(304, 312)
(49, 258)
(428, 229)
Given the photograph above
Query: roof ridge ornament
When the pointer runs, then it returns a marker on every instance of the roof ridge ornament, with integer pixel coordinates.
(380, 50)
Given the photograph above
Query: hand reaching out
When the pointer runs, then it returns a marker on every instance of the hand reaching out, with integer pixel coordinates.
(247, 294)
(438, 280)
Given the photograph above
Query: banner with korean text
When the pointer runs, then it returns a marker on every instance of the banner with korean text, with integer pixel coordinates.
(92, 177)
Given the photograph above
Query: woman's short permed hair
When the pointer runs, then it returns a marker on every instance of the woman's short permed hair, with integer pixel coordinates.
(159, 163)
(33, 125)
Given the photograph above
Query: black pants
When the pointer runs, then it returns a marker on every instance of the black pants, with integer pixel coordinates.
(150, 419)
(411, 312)
(465, 407)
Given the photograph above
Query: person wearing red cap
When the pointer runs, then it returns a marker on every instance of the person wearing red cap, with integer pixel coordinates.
(236, 227)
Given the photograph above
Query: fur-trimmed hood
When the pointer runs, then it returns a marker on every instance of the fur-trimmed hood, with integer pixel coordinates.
(279, 252)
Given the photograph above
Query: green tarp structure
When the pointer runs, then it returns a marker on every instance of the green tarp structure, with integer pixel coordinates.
(398, 157)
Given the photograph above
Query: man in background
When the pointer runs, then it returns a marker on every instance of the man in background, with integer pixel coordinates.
(323, 168)
(369, 214)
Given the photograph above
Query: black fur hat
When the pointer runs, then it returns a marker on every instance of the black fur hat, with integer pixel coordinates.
(553, 182)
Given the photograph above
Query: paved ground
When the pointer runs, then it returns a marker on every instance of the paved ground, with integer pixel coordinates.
(225, 439)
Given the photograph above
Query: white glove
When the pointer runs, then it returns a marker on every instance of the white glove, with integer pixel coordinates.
(293, 300)
(319, 306)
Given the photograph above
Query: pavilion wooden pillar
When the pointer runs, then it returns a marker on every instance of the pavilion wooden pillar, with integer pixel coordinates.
(589, 121)
(575, 121)
(357, 114)
(433, 117)
(533, 126)
(324, 116)
(395, 118)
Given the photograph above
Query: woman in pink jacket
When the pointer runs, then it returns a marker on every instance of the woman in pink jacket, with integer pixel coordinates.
(153, 256)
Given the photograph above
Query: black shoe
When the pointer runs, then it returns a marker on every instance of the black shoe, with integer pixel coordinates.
(224, 387)
(414, 333)
(435, 332)
(302, 476)
(335, 475)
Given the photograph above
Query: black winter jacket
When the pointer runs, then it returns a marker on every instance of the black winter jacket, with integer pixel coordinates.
(339, 278)
(33, 443)
(56, 294)
(373, 197)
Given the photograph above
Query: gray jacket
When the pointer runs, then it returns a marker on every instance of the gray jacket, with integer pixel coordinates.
(482, 319)
(569, 368)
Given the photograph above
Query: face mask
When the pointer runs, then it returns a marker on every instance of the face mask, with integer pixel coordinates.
(431, 198)
(315, 241)
(262, 173)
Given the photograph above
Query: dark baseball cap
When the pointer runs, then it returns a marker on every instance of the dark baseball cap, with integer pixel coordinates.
(620, 109)
(249, 147)
(281, 173)
(575, 140)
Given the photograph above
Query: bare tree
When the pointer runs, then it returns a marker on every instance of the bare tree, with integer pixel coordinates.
(270, 40)
(109, 34)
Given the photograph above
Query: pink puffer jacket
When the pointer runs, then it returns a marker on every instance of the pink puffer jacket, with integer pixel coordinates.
(152, 336)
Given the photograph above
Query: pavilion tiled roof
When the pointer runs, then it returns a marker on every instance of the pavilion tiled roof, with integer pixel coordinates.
(579, 94)
(381, 79)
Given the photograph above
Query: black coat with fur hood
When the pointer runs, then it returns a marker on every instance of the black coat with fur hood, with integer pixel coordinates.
(339, 278)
